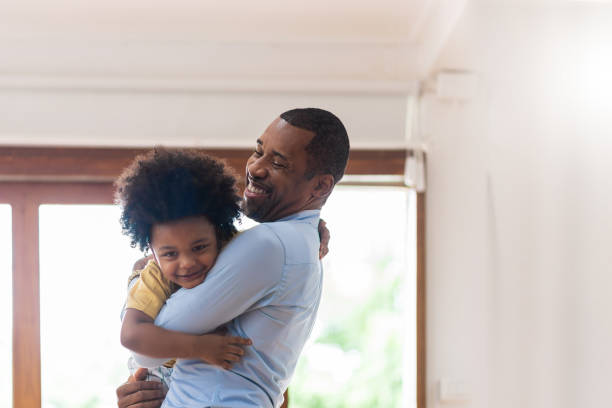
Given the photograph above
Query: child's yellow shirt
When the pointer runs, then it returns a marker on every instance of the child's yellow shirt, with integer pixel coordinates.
(150, 291)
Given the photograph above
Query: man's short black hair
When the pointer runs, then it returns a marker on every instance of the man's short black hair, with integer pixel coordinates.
(328, 150)
(169, 184)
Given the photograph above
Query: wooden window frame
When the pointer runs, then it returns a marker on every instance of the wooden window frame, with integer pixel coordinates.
(31, 176)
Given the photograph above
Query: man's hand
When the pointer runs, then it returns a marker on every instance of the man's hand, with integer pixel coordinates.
(324, 237)
(137, 393)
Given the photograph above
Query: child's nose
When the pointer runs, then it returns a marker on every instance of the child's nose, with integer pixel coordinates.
(187, 262)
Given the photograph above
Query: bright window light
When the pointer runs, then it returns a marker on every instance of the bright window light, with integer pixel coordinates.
(362, 350)
(85, 262)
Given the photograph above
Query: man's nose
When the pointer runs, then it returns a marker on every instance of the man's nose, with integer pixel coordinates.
(257, 168)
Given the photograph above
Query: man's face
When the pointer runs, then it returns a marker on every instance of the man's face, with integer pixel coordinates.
(276, 185)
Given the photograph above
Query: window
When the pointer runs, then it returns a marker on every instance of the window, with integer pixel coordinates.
(84, 265)
(46, 341)
(362, 352)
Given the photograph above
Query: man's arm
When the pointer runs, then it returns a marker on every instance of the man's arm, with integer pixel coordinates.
(245, 275)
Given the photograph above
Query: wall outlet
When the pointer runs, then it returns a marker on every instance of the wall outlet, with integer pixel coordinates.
(452, 390)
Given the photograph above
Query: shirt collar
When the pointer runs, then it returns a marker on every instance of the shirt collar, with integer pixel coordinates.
(310, 216)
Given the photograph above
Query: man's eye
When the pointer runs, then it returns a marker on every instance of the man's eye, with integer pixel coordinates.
(257, 153)
(278, 165)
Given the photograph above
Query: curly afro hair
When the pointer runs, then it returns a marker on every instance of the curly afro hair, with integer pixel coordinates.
(168, 184)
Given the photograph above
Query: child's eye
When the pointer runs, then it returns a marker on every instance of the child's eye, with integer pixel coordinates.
(169, 254)
(199, 248)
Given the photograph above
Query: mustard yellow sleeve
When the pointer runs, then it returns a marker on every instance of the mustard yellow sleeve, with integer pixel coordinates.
(150, 291)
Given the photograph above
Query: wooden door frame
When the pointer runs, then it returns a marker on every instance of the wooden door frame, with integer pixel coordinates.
(420, 302)
(31, 176)
(25, 199)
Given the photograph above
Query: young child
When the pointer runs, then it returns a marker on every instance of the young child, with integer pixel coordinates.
(181, 205)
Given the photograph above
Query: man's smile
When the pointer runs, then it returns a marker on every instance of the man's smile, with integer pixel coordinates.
(254, 189)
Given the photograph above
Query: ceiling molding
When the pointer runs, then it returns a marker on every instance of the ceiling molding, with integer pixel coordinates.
(198, 60)
(198, 85)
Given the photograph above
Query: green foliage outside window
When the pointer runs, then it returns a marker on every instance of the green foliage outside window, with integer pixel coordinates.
(360, 362)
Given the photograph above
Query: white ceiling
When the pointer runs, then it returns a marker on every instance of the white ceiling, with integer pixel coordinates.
(382, 42)
(263, 20)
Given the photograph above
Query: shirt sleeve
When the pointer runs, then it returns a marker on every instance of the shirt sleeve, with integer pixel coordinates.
(150, 291)
(246, 276)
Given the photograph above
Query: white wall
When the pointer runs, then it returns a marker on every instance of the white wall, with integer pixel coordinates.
(519, 210)
(187, 117)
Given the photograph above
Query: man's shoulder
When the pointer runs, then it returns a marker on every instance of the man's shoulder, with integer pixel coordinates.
(300, 240)
(258, 240)
(264, 231)
(295, 241)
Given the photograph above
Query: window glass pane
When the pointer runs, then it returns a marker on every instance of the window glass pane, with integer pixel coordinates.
(84, 265)
(6, 305)
(362, 352)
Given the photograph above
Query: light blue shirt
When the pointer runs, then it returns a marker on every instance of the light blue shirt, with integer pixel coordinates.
(267, 284)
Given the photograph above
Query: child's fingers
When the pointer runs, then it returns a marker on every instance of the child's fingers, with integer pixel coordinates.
(232, 357)
(239, 340)
(235, 350)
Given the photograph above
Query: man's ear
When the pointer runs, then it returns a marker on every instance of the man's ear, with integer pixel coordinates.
(324, 186)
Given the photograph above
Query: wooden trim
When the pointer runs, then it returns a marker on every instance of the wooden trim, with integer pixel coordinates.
(421, 304)
(56, 193)
(84, 164)
(25, 199)
(377, 162)
(26, 305)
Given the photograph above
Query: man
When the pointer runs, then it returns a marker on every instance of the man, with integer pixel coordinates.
(266, 284)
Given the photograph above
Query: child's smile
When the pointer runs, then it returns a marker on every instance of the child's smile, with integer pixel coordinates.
(185, 280)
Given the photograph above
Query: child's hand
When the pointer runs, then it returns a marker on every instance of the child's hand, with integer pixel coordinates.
(222, 351)
(324, 238)
(141, 263)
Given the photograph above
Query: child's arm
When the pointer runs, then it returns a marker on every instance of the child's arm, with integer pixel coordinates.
(139, 334)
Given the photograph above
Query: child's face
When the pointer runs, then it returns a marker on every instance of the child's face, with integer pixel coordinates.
(185, 249)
